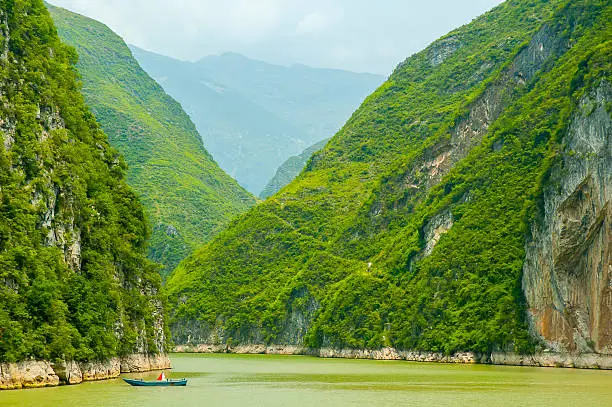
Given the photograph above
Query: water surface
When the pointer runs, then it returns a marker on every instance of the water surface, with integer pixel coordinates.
(264, 380)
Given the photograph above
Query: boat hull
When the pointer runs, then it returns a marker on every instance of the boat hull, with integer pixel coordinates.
(156, 383)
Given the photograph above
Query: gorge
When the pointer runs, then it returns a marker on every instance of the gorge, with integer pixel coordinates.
(462, 214)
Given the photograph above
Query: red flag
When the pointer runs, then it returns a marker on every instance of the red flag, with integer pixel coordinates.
(161, 377)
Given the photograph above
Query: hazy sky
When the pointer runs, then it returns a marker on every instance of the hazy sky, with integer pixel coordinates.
(358, 35)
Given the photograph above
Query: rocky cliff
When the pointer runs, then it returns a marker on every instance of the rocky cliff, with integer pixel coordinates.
(567, 276)
(78, 298)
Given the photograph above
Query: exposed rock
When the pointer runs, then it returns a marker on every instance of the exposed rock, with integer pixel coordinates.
(542, 359)
(567, 276)
(42, 373)
(437, 168)
(6, 36)
(28, 374)
(7, 132)
(171, 231)
(143, 362)
(68, 372)
(469, 132)
(551, 359)
(435, 228)
(302, 308)
(443, 49)
(92, 371)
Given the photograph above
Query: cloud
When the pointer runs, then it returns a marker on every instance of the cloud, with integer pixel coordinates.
(358, 35)
(316, 22)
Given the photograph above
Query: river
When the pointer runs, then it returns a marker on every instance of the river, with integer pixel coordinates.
(264, 380)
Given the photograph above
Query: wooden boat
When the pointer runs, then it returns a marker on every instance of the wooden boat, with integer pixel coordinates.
(161, 381)
(169, 382)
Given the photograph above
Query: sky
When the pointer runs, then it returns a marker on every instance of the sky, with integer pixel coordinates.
(356, 35)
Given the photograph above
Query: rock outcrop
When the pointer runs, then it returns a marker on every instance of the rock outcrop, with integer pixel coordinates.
(541, 359)
(142, 362)
(567, 276)
(28, 374)
(33, 374)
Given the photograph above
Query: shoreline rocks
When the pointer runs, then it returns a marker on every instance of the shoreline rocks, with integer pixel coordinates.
(35, 374)
(542, 359)
(28, 374)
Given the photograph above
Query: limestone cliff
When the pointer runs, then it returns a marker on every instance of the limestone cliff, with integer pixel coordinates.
(567, 277)
(75, 285)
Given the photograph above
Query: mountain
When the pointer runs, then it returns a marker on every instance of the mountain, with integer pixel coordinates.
(290, 169)
(187, 197)
(78, 298)
(253, 115)
(465, 206)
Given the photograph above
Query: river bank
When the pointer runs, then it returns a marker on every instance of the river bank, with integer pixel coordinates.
(35, 373)
(232, 380)
(543, 359)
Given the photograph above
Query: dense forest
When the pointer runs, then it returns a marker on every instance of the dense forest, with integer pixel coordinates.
(75, 283)
(409, 228)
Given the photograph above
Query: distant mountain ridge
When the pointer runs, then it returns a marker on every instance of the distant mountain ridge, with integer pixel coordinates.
(188, 198)
(253, 115)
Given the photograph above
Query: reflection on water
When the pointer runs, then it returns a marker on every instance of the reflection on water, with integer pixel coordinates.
(234, 380)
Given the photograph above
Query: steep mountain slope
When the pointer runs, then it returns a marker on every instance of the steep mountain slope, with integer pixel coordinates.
(428, 221)
(290, 169)
(252, 115)
(75, 284)
(187, 196)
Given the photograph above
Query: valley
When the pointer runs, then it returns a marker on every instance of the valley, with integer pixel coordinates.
(249, 216)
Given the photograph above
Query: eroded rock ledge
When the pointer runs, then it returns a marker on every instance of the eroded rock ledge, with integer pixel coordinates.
(543, 359)
(32, 374)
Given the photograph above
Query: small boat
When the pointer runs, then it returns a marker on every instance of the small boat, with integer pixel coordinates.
(161, 381)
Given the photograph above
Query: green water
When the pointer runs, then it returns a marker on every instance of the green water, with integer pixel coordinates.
(234, 380)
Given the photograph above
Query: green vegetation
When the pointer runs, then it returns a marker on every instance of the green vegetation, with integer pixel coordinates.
(73, 269)
(345, 243)
(187, 196)
(253, 115)
(290, 169)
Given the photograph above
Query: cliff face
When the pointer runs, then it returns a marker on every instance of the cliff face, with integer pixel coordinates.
(75, 285)
(567, 276)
